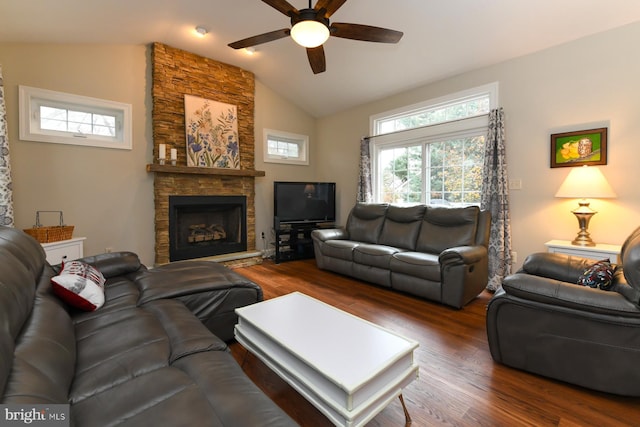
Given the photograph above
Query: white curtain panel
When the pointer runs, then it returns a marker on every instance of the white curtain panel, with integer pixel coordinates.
(6, 195)
(495, 198)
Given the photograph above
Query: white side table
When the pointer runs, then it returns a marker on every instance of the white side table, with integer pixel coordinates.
(597, 252)
(72, 249)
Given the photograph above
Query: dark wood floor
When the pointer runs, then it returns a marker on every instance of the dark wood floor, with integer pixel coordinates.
(458, 385)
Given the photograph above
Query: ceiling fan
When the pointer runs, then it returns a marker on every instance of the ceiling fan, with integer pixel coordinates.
(310, 28)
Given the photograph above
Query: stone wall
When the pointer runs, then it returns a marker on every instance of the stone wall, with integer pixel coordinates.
(176, 73)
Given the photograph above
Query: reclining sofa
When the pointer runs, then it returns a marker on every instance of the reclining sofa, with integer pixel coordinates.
(433, 252)
(543, 322)
(147, 357)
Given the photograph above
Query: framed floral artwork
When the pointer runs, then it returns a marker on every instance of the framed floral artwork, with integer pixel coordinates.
(211, 133)
(584, 147)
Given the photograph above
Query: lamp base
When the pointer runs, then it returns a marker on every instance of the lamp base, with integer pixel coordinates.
(584, 214)
(583, 239)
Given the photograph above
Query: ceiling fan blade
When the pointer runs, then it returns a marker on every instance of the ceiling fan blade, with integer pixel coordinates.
(317, 59)
(329, 5)
(259, 39)
(365, 33)
(282, 6)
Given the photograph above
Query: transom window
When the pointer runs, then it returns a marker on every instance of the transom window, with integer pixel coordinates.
(285, 147)
(431, 115)
(78, 122)
(49, 116)
(433, 152)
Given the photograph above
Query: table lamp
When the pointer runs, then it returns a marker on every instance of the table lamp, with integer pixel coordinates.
(585, 182)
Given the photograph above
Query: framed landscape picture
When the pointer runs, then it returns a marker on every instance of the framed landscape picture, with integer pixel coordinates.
(585, 147)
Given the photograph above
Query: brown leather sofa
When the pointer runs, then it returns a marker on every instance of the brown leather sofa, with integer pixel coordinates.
(542, 322)
(433, 252)
(147, 357)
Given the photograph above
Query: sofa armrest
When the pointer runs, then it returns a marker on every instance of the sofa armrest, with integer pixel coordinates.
(561, 267)
(462, 255)
(323, 235)
(114, 264)
(565, 294)
(464, 271)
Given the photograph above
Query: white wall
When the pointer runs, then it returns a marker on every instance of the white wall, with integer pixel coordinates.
(579, 85)
(108, 195)
(275, 112)
(105, 193)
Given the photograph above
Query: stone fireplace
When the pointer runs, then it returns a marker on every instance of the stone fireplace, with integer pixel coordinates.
(176, 73)
(202, 226)
(183, 181)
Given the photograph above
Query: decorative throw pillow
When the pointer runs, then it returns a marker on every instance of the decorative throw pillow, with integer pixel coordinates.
(599, 275)
(80, 285)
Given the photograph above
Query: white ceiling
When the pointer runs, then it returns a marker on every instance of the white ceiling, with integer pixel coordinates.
(441, 37)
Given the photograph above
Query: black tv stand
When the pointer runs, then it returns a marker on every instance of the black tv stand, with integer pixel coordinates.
(293, 240)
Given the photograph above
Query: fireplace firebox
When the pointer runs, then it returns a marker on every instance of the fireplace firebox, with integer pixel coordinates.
(201, 226)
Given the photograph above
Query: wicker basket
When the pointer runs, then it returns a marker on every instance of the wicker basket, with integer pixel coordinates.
(48, 234)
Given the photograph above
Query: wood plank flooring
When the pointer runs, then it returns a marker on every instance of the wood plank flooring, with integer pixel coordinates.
(459, 383)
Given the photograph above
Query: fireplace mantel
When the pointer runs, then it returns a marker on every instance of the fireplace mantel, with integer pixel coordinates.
(202, 171)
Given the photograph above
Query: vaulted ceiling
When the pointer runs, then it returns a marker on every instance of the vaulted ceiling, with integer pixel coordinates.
(441, 37)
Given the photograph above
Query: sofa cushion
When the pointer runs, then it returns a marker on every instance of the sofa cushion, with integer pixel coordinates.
(181, 278)
(80, 285)
(374, 255)
(114, 264)
(630, 259)
(445, 228)
(401, 226)
(416, 264)
(620, 285)
(365, 222)
(112, 351)
(341, 249)
(44, 358)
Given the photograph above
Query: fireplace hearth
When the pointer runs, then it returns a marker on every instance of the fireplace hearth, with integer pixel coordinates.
(202, 226)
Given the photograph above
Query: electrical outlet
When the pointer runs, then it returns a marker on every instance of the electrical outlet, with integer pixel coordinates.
(108, 250)
(514, 257)
(262, 235)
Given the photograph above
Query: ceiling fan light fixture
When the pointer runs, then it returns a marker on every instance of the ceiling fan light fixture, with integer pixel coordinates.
(309, 33)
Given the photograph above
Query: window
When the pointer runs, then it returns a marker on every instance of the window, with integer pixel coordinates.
(432, 152)
(49, 116)
(285, 147)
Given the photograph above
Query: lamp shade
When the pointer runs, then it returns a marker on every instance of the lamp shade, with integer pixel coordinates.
(586, 182)
(310, 33)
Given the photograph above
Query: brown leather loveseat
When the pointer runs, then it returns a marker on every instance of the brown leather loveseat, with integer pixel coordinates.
(437, 253)
(145, 358)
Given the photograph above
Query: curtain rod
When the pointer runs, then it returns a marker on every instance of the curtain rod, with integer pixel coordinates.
(425, 126)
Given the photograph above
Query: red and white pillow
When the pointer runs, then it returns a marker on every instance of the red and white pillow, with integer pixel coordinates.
(80, 285)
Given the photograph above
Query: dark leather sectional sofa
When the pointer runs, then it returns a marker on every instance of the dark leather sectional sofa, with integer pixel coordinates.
(433, 252)
(148, 357)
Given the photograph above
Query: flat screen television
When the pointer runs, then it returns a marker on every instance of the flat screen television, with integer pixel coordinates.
(304, 202)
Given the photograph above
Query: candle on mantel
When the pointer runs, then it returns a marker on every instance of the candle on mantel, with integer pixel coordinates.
(162, 151)
(174, 154)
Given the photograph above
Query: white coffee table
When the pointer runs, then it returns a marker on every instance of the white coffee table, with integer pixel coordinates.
(348, 368)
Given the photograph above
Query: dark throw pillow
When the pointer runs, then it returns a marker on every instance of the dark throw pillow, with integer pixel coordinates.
(599, 275)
